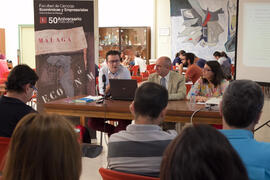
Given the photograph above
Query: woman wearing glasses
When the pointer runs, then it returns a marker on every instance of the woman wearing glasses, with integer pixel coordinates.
(211, 84)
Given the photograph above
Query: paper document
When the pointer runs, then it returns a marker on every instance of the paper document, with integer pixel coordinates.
(213, 101)
(88, 99)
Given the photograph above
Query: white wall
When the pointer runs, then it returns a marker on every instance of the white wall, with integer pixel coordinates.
(12, 14)
(111, 13)
(163, 23)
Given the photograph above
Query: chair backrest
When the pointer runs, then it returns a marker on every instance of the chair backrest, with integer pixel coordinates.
(134, 70)
(145, 74)
(138, 78)
(150, 67)
(232, 69)
(108, 174)
(188, 87)
(4, 142)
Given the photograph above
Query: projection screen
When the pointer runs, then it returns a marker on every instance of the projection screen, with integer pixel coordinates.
(253, 40)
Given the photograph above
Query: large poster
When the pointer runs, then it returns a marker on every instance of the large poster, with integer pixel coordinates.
(203, 26)
(64, 40)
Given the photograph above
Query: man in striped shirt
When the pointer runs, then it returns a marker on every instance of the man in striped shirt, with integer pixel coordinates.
(140, 147)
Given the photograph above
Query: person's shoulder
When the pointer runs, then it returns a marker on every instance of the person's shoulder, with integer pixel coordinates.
(264, 146)
(153, 75)
(170, 134)
(123, 68)
(176, 75)
(119, 136)
(103, 68)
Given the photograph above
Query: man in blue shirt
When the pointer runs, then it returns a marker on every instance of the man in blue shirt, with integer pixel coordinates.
(112, 70)
(241, 109)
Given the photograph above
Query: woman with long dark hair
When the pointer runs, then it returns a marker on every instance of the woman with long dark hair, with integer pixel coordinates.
(211, 84)
(201, 152)
(43, 147)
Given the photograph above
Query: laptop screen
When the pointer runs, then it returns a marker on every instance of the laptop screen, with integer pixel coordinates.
(123, 89)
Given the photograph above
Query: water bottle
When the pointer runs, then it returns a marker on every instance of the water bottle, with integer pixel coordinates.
(192, 100)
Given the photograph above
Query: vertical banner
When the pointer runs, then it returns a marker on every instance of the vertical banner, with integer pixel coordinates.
(64, 41)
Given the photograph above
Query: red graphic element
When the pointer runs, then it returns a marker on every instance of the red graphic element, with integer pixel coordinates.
(207, 19)
(43, 20)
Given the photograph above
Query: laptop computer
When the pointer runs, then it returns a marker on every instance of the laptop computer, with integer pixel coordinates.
(123, 89)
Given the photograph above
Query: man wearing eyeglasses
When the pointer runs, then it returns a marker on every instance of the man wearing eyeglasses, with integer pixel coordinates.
(20, 86)
(112, 70)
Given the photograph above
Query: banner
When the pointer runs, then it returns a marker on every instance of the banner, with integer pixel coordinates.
(64, 40)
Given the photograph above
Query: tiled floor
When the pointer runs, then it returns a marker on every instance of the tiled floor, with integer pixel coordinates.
(91, 166)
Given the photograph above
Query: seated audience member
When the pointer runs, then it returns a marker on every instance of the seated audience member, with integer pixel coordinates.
(113, 70)
(201, 152)
(141, 62)
(139, 149)
(199, 62)
(43, 147)
(126, 59)
(211, 84)
(2, 56)
(3, 68)
(178, 58)
(223, 60)
(223, 54)
(193, 72)
(219, 58)
(241, 110)
(172, 81)
(20, 86)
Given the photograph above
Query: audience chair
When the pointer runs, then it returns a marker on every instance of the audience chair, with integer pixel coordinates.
(4, 79)
(150, 67)
(232, 69)
(108, 174)
(4, 142)
(145, 75)
(138, 78)
(188, 87)
(134, 70)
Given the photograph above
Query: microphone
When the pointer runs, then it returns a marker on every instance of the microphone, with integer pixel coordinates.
(104, 84)
(104, 89)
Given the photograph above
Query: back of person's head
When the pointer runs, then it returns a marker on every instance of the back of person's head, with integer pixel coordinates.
(176, 55)
(201, 152)
(43, 147)
(223, 54)
(190, 57)
(182, 52)
(218, 74)
(217, 54)
(242, 103)
(113, 53)
(19, 76)
(150, 99)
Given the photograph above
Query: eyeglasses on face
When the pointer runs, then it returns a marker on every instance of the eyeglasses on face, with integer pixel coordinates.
(114, 61)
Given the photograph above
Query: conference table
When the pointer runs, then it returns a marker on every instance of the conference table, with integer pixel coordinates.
(177, 111)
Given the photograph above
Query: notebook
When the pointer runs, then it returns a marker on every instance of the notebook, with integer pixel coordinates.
(123, 89)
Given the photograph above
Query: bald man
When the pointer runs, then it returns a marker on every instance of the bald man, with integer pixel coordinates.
(172, 81)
